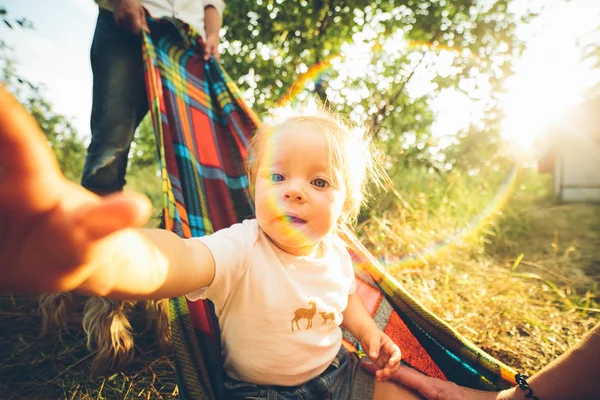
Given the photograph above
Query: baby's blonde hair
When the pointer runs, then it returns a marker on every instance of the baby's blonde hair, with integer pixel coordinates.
(352, 160)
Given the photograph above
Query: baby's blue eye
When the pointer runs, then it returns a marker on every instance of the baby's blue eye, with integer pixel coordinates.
(276, 178)
(320, 182)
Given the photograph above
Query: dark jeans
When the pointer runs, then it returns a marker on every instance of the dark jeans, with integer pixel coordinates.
(344, 379)
(118, 106)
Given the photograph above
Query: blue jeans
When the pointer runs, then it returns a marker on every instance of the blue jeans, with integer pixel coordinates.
(343, 379)
(119, 103)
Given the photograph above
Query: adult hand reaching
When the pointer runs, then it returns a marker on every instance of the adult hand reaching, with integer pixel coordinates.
(573, 375)
(49, 227)
(435, 389)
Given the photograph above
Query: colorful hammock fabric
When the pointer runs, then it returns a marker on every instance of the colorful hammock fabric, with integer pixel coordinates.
(202, 128)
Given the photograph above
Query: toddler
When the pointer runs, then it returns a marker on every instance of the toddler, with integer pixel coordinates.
(282, 284)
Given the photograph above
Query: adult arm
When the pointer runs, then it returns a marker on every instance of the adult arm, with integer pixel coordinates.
(212, 23)
(57, 236)
(573, 375)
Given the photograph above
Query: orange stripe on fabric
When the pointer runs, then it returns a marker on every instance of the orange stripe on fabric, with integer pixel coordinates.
(208, 152)
(185, 225)
(350, 347)
(197, 94)
(184, 123)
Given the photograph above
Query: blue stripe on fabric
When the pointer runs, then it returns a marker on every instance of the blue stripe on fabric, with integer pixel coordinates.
(197, 221)
(191, 192)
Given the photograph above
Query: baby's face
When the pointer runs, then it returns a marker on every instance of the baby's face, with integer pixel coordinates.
(297, 200)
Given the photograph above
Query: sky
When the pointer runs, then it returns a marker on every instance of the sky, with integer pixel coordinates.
(56, 52)
(550, 76)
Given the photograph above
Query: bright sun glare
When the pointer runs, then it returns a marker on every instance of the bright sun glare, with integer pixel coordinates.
(550, 77)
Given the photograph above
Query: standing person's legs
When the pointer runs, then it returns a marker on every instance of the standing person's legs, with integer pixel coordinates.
(119, 104)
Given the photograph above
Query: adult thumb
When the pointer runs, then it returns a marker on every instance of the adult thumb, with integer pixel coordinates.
(113, 213)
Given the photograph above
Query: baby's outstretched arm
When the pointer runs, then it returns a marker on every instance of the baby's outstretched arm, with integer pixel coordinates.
(57, 236)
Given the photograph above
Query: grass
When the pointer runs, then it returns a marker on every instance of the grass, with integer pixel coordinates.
(57, 366)
(522, 284)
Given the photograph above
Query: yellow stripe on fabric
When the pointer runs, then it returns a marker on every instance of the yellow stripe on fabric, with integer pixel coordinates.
(197, 94)
(154, 90)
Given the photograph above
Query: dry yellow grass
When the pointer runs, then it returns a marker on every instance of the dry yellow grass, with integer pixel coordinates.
(527, 299)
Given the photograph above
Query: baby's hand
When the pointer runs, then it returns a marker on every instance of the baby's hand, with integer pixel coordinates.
(382, 351)
(50, 228)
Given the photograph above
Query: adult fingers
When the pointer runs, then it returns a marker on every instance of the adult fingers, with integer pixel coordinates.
(409, 378)
(143, 21)
(113, 213)
(208, 51)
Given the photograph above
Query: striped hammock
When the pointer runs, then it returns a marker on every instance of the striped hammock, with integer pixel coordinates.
(202, 128)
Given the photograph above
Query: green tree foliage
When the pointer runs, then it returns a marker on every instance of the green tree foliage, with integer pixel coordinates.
(62, 136)
(457, 45)
(592, 49)
(143, 151)
(143, 174)
(591, 52)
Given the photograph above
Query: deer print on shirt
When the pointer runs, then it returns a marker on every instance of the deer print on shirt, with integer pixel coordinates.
(307, 313)
(326, 317)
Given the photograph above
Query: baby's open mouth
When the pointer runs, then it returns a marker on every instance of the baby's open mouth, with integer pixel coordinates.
(293, 219)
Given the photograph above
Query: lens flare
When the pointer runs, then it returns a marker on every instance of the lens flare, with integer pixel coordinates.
(277, 206)
(318, 75)
(475, 226)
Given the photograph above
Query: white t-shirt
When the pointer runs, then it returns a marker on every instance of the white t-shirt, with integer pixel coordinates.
(188, 11)
(279, 314)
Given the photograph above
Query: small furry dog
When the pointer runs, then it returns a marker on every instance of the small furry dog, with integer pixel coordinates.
(107, 327)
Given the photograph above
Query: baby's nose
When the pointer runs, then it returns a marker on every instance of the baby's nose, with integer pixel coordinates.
(295, 194)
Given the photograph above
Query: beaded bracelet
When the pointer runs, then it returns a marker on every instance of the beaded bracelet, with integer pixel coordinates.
(523, 385)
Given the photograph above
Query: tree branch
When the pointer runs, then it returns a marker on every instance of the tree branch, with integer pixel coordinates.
(375, 122)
